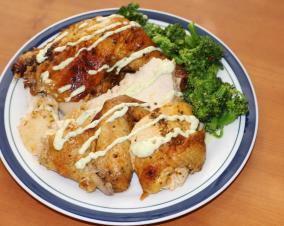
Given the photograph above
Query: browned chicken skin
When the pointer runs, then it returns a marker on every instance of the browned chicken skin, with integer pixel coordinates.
(109, 51)
(169, 166)
(110, 173)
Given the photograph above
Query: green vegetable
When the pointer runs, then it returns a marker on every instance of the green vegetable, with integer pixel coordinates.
(214, 102)
(131, 12)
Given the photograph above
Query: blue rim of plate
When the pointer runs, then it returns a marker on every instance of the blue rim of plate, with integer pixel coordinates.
(166, 213)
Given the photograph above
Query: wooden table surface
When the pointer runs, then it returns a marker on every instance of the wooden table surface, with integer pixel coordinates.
(254, 30)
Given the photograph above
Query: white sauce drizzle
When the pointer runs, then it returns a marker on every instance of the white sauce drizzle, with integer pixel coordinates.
(87, 144)
(94, 72)
(59, 142)
(59, 133)
(83, 25)
(124, 61)
(88, 37)
(85, 115)
(100, 18)
(40, 57)
(80, 164)
(45, 77)
(97, 25)
(76, 92)
(63, 64)
(64, 88)
(118, 114)
(146, 148)
(99, 40)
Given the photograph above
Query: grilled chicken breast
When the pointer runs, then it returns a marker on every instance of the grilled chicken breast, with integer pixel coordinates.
(111, 172)
(86, 59)
(172, 162)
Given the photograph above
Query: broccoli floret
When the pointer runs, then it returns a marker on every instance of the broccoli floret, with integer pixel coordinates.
(200, 58)
(153, 29)
(216, 108)
(169, 48)
(131, 12)
(192, 40)
(175, 33)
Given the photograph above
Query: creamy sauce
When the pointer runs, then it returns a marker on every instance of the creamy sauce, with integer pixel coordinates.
(88, 37)
(83, 25)
(126, 60)
(63, 64)
(88, 143)
(118, 114)
(64, 88)
(45, 77)
(40, 57)
(60, 141)
(85, 115)
(59, 133)
(76, 92)
(94, 72)
(138, 149)
(146, 148)
(98, 41)
(100, 18)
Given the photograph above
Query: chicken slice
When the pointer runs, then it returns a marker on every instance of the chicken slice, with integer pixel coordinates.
(111, 172)
(61, 67)
(169, 166)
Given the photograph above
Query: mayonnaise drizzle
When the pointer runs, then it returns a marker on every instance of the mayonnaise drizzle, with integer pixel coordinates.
(99, 40)
(146, 148)
(76, 92)
(60, 141)
(45, 77)
(62, 89)
(83, 25)
(88, 143)
(80, 164)
(88, 37)
(108, 17)
(94, 72)
(85, 115)
(59, 133)
(40, 57)
(125, 61)
(120, 64)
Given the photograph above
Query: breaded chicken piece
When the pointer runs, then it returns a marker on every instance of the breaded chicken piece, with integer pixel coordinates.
(111, 172)
(169, 166)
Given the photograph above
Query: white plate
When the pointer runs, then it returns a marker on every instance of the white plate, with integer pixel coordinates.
(225, 157)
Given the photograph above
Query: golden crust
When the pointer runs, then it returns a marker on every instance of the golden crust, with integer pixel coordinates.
(109, 51)
(158, 170)
(110, 173)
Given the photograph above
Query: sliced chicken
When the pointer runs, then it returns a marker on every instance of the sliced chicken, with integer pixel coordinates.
(169, 165)
(111, 172)
(80, 61)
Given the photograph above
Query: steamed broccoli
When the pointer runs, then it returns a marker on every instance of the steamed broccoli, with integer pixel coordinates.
(131, 12)
(214, 102)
